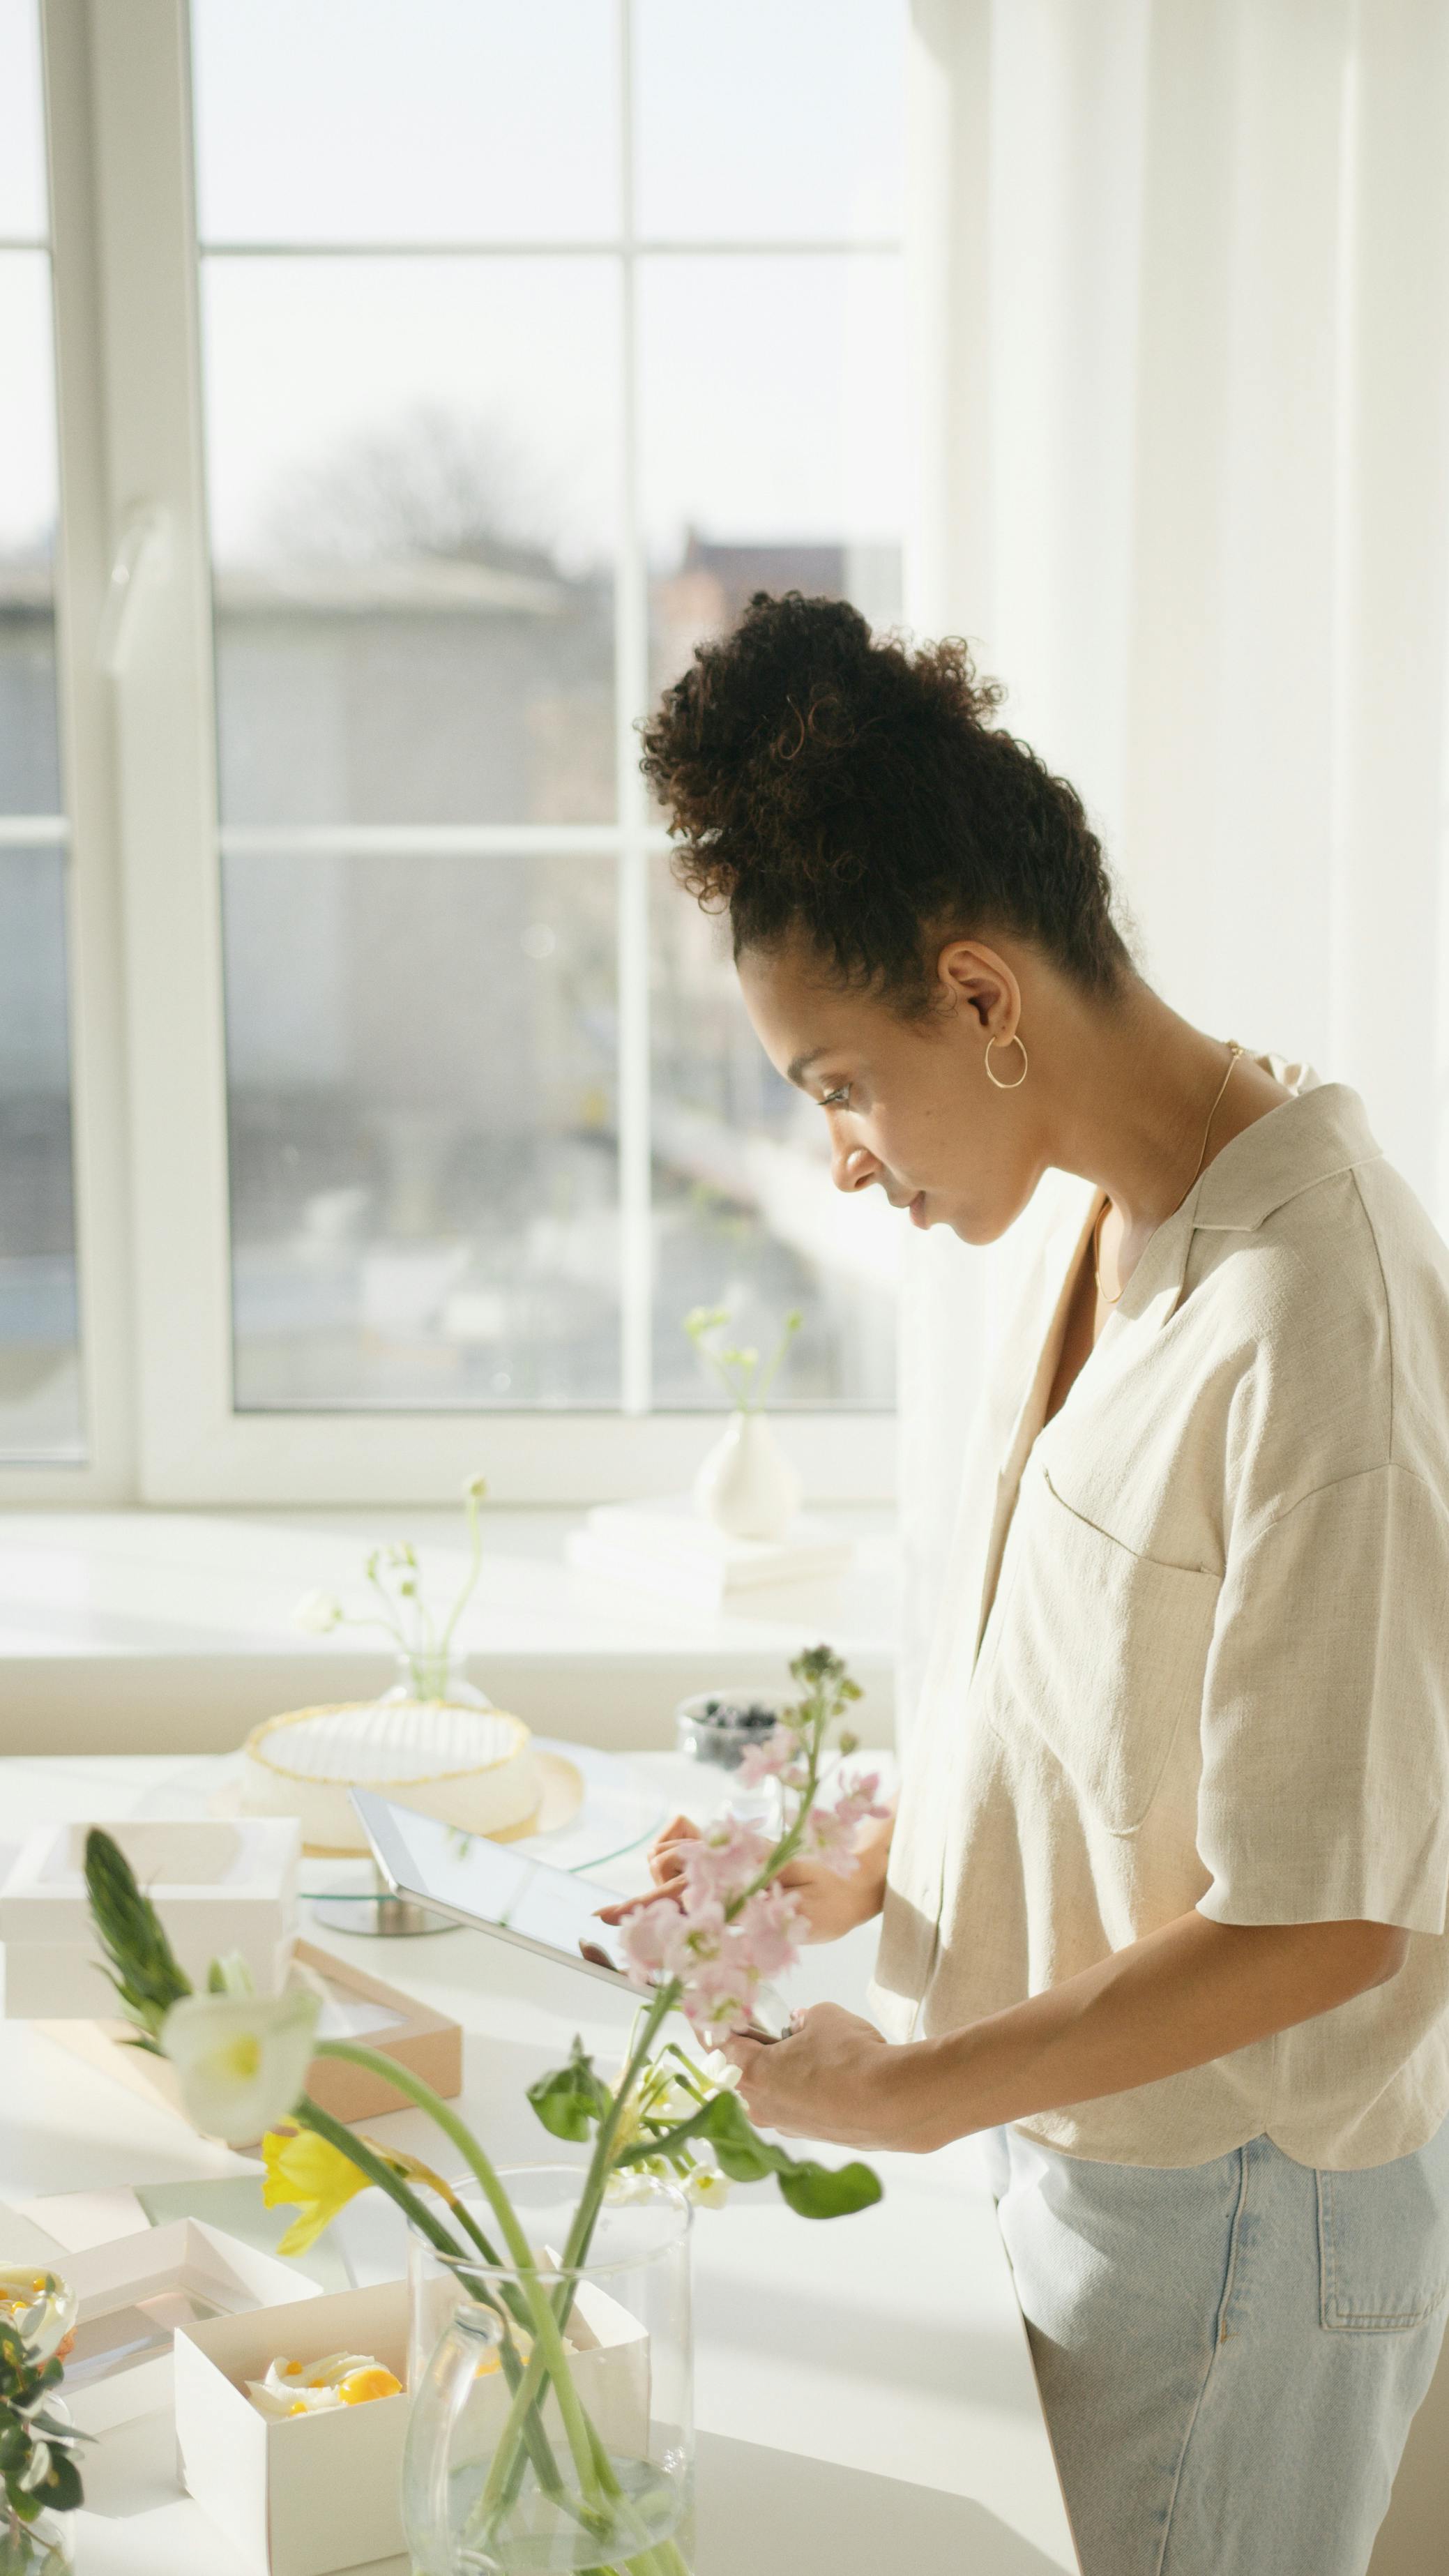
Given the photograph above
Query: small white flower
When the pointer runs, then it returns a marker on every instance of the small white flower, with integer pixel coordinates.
(474, 1489)
(318, 1613)
(626, 2183)
(706, 2188)
(241, 2060)
(41, 2316)
(720, 2072)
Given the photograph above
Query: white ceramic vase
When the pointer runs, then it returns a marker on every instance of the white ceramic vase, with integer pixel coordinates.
(745, 1485)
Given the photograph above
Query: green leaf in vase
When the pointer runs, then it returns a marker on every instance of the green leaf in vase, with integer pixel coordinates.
(572, 2098)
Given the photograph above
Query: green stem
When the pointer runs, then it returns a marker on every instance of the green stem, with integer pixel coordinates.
(507, 2462)
(378, 2171)
(470, 1580)
(541, 2313)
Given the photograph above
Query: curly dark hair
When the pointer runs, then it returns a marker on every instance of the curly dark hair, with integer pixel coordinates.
(823, 781)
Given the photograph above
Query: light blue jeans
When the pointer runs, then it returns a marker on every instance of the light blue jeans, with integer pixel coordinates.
(1229, 2356)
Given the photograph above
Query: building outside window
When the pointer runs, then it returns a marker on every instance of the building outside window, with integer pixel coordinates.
(502, 355)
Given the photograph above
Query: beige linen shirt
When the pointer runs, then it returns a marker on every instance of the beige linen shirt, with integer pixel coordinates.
(1194, 1648)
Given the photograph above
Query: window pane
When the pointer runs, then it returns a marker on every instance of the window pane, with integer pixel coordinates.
(757, 122)
(413, 473)
(40, 1399)
(746, 1213)
(774, 447)
(29, 765)
(406, 120)
(22, 127)
(423, 1154)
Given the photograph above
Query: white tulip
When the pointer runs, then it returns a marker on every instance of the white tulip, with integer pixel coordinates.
(318, 1613)
(241, 2060)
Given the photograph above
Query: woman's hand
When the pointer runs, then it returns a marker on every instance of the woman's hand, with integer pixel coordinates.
(830, 2079)
(831, 1905)
(666, 1868)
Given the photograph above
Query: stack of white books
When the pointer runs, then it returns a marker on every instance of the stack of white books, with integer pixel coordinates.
(669, 1546)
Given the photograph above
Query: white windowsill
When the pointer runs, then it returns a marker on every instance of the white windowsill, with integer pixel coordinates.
(157, 1631)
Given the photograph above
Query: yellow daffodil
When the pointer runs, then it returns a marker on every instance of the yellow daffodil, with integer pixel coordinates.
(310, 2171)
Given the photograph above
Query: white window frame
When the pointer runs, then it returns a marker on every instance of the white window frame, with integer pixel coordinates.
(146, 957)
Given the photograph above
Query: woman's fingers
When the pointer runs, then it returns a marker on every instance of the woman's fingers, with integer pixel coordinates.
(628, 1905)
(664, 1862)
(666, 1868)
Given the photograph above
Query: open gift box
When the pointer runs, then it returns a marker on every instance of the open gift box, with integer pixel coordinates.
(135, 2295)
(218, 1888)
(299, 2495)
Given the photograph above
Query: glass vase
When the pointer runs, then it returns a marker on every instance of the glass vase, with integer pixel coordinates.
(514, 2470)
(433, 1673)
(45, 2547)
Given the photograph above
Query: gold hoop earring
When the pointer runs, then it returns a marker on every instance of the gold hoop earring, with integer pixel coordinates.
(995, 1077)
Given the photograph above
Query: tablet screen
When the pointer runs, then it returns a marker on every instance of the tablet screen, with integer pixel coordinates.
(491, 1886)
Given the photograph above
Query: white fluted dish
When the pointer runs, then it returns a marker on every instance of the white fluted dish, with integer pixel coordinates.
(475, 1768)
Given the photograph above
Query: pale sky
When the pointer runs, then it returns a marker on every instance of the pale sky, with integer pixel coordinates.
(771, 393)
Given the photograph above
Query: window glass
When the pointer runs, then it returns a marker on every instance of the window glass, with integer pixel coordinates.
(29, 764)
(22, 132)
(413, 470)
(746, 1215)
(40, 1388)
(406, 120)
(40, 1398)
(773, 437)
(416, 470)
(762, 122)
(422, 1056)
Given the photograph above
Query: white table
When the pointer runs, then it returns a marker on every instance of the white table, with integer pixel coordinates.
(878, 2363)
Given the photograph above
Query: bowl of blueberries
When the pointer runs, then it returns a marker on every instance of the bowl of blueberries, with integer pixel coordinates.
(720, 1726)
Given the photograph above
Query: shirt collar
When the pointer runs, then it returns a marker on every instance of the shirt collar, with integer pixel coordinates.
(1323, 1129)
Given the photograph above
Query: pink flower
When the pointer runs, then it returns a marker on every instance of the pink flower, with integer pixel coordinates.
(648, 1940)
(859, 1800)
(719, 1997)
(831, 1837)
(769, 1931)
(763, 1761)
(728, 1855)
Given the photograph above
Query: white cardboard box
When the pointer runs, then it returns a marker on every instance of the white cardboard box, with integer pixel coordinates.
(306, 2494)
(217, 1886)
(175, 2265)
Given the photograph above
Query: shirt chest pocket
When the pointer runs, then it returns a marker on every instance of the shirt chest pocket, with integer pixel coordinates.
(1098, 1654)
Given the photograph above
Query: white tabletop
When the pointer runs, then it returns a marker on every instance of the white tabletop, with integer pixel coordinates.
(888, 2344)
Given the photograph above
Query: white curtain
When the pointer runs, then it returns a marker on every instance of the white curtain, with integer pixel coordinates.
(1181, 332)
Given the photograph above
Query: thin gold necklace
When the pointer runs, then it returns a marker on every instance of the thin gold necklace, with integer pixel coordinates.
(1234, 1051)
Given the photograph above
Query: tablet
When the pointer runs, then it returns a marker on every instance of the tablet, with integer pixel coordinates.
(492, 1887)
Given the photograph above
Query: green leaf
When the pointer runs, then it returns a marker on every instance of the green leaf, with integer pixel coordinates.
(146, 1975)
(811, 2190)
(828, 2191)
(572, 2098)
(62, 2489)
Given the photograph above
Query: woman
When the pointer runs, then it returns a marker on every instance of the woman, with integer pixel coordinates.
(1163, 1907)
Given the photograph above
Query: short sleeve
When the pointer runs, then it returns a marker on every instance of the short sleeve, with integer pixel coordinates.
(1325, 1784)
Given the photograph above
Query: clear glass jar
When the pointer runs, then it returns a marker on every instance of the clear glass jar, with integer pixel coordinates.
(508, 2473)
(45, 2547)
(437, 1674)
